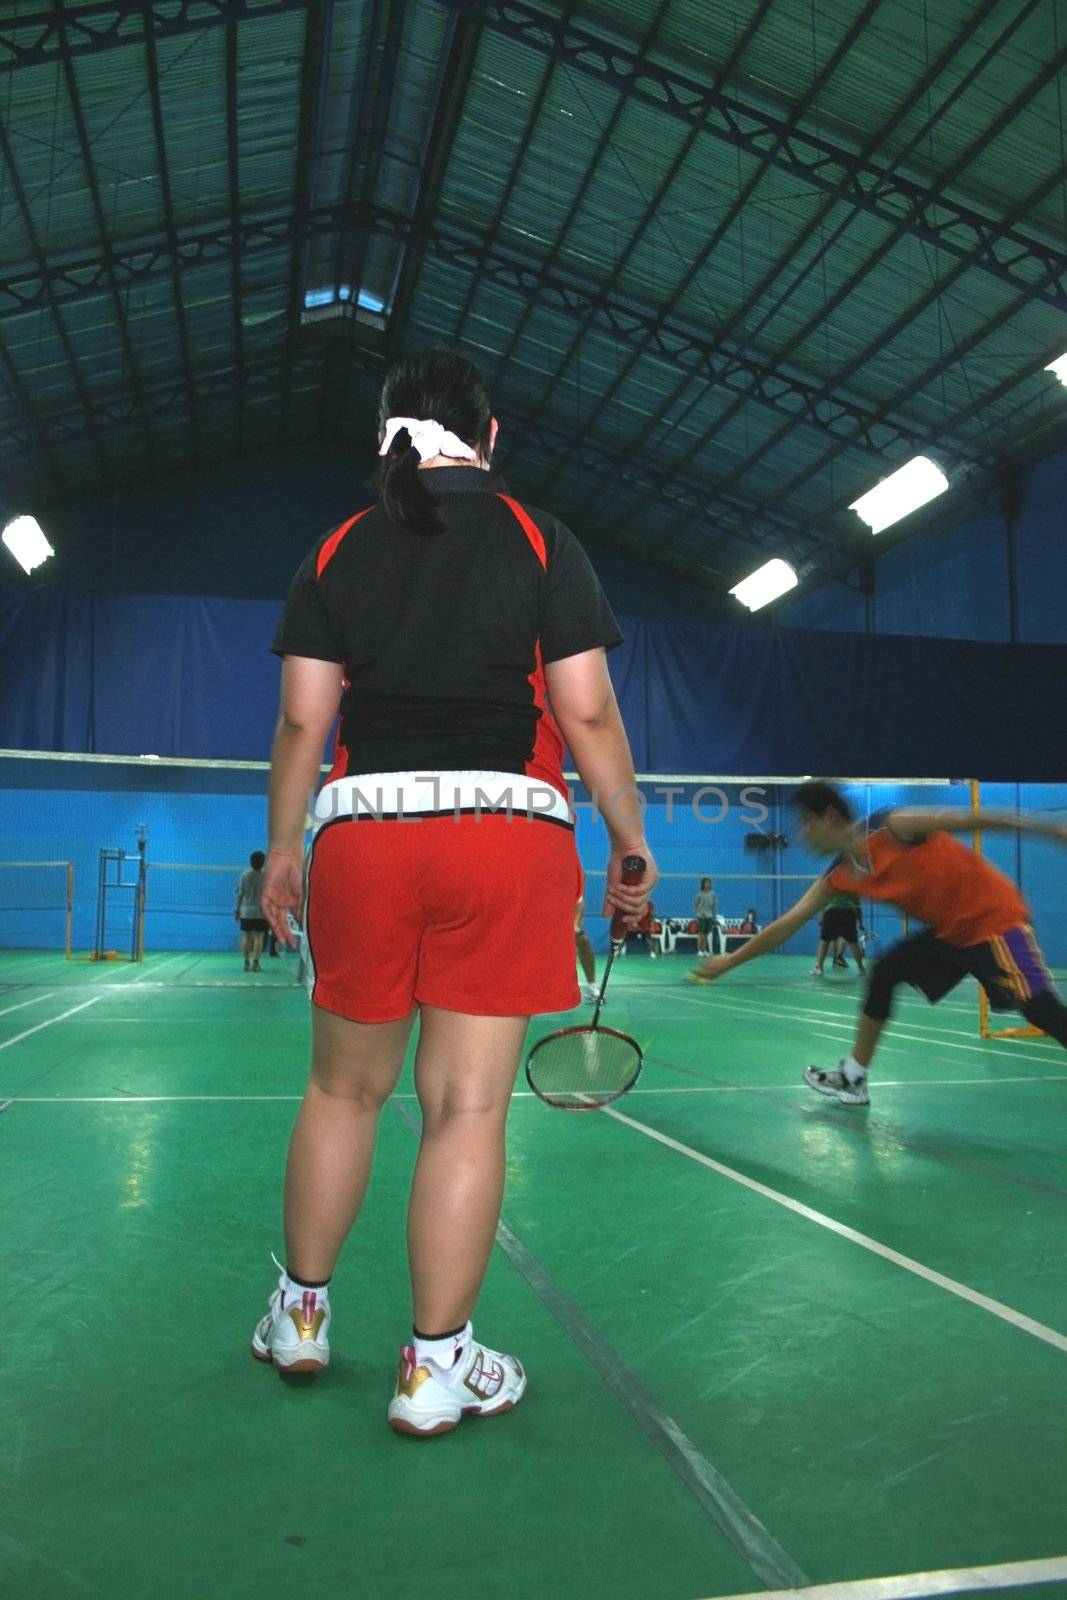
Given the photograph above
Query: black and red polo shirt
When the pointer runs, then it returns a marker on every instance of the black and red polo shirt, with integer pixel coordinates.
(444, 638)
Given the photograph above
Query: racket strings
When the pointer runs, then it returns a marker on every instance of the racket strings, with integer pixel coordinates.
(583, 1067)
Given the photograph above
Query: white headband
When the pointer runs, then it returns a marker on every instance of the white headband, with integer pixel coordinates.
(429, 439)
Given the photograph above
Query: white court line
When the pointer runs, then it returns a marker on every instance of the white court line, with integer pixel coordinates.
(51, 1020)
(518, 1094)
(929, 1027)
(996, 1046)
(845, 1027)
(36, 999)
(183, 955)
(917, 1585)
(784, 1009)
(883, 1049)
(995, 1307)
(7, 1043)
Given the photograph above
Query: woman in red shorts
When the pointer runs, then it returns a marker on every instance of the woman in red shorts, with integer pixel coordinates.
(443, 875)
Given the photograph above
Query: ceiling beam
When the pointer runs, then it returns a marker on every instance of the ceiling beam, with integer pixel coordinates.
(49, 296)
(726, 223)
(743, 322)
(592, 169)
(533, 113)
(317, 33)
(696, 352)
(119, 311)
(354, 232)
(171, 232)
(107, 413)
(233, 181)
(34, 39)
(456, 67)
(957, 227)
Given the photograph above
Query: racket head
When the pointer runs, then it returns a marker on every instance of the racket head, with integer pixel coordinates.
(583, 1068)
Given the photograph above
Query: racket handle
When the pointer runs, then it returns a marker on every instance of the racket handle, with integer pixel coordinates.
(633, 870)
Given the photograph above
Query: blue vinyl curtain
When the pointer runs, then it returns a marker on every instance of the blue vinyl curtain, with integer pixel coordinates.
(181, 676)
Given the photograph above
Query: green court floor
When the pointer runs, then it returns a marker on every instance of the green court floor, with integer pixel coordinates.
(772, 1341)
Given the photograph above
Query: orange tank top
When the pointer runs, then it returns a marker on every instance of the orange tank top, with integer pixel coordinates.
(938, 881)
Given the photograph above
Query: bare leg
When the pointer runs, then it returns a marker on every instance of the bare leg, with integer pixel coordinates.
(464, 1072)
(868, 1033)
(586, 956)
(857, 956)
(820, 955)
(257, 948)
(354, 1070)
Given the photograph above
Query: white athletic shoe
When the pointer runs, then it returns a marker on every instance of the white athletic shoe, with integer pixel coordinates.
(849, 1092)
(430, 1399)
(297, 1339)
(817, 972)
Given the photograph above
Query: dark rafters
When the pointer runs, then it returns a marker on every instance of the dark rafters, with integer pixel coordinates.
(41, 264)
(33, 38)
(739, 324)
(173, 255)
(317, 32)
(607, 134)
(723, 228)
(353, 229)
(957, 226)
(455, 68)
(131, 370)
(233, 176)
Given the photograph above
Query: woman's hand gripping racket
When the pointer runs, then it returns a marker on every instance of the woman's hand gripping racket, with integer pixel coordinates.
(579, 1069)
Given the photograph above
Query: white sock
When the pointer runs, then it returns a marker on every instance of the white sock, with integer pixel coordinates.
(852, 1070)
(293, 1292)
(442, 1352)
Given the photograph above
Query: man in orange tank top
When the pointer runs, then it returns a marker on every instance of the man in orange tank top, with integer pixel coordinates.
(977, 922)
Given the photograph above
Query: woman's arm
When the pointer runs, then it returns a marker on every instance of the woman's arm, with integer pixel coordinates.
(910, 825)
(584, 705)
(311, 691)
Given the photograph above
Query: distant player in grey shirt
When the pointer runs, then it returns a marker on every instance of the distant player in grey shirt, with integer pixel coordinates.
(704, 908)
(248, 911)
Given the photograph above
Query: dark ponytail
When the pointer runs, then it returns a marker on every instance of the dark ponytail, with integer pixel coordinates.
(432, 384)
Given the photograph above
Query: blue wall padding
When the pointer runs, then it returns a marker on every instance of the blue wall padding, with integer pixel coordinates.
(180, 676)
(953, 581)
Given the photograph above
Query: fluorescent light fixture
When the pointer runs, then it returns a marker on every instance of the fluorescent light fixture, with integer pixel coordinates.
(1059, 367)
(27, 543)
(911, 486)
(765, 584)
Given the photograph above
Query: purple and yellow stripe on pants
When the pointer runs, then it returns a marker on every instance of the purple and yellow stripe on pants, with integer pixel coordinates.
(1021, 963)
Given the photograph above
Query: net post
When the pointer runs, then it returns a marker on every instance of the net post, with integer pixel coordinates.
(101, 893)
(70, 911)
(140, 893)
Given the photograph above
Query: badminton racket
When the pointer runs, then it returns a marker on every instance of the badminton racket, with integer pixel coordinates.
(580, 1069)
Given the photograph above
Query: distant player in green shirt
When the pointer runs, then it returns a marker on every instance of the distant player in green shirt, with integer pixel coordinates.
(839, 921)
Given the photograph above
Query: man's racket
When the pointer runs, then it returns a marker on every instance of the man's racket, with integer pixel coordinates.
(579, 1069)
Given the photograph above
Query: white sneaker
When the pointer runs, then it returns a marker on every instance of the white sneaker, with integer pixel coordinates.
(817, 972)
(297, 1339)
(850, 1092)
(430, 1399)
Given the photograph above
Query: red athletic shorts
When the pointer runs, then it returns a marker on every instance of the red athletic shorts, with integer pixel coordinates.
(473, 914)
